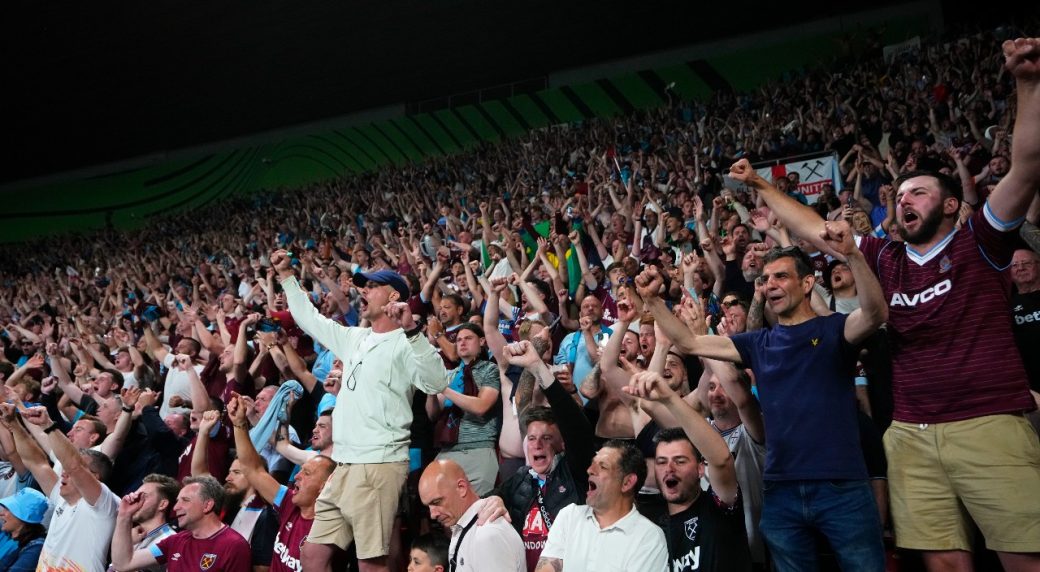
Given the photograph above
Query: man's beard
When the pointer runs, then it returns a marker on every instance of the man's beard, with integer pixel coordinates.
(750, 275)
(930, 223)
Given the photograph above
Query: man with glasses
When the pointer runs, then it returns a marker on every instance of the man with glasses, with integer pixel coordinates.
(387, 362)
(1025, 310)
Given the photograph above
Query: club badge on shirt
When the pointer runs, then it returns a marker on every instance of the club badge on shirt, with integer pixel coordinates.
(208, 560)
(691, 528)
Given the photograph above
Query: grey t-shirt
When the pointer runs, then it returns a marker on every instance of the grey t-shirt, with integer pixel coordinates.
(749, 460)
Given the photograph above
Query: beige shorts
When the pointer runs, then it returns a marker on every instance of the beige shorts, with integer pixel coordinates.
(943, 476)
(359, 503)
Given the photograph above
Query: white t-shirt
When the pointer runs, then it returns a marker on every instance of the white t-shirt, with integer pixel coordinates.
(129, 379)
(177, 383)
(632, 543)
(79, 534)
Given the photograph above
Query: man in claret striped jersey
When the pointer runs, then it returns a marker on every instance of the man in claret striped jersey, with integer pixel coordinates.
(956, 386)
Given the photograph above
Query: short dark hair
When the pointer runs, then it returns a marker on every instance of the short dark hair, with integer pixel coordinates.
(97, 426)
(117, 377)
(802, 264)
(537, 413)
(674, 435)
(168, 487)
(630, 462)
(209, 489)
(948, 186)
(543, 287)
(197, 344)
(457, 300)
(98, 463)
(435, 546)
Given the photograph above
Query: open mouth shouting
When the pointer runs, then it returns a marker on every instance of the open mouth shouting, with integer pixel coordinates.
(775, 297)
(910, 219)
(593, 490)
(670, 486)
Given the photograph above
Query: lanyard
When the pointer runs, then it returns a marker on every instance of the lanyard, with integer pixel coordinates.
(541, 506)
(453, 563)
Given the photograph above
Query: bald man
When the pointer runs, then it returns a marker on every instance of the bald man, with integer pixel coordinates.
(494, 546)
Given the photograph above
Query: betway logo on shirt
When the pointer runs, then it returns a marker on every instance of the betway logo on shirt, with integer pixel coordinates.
(1028, 318)
(926, 295)
(282, 552)
(689, 561)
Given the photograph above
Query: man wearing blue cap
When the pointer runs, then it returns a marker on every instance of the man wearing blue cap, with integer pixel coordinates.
(21, 530)
(383, 365)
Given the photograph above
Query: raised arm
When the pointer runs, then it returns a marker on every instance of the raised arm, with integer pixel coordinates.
(252, 464)
(31, 454)
(648, 285)
(124, 557)
(873, 309)
(86, 483)
(613, 374)
(114, 441)
(737, 387)
(1010, 200)
(799, 218)
(325, 331)
(200, 452)
(495, 340)
(65, 382)
(155, 347)
(297, 366)
(721, 472)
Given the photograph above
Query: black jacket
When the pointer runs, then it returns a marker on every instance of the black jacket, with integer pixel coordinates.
(568, 483)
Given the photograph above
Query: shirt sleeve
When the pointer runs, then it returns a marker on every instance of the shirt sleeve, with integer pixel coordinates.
(997, 239)
(324, 331)
(871, 249)
(427, 365)
(487, 376)
(566, 354)
(280, 497)
(107, 502)
(160, 548)
(745, 344)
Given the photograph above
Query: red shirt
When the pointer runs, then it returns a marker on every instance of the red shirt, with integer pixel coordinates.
(217, 454)
(952, 345)
(225, 551)
(292, 532)
(534, 534)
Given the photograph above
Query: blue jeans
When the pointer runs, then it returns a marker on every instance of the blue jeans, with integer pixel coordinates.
(843, 511)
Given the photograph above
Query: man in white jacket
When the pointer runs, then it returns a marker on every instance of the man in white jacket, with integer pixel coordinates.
(382, 366)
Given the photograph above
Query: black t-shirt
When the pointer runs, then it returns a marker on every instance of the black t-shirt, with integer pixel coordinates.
(708, 536)
(1025, 311)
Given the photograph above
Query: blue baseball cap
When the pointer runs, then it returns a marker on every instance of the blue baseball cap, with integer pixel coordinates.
(385, 277)
(27, 505)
